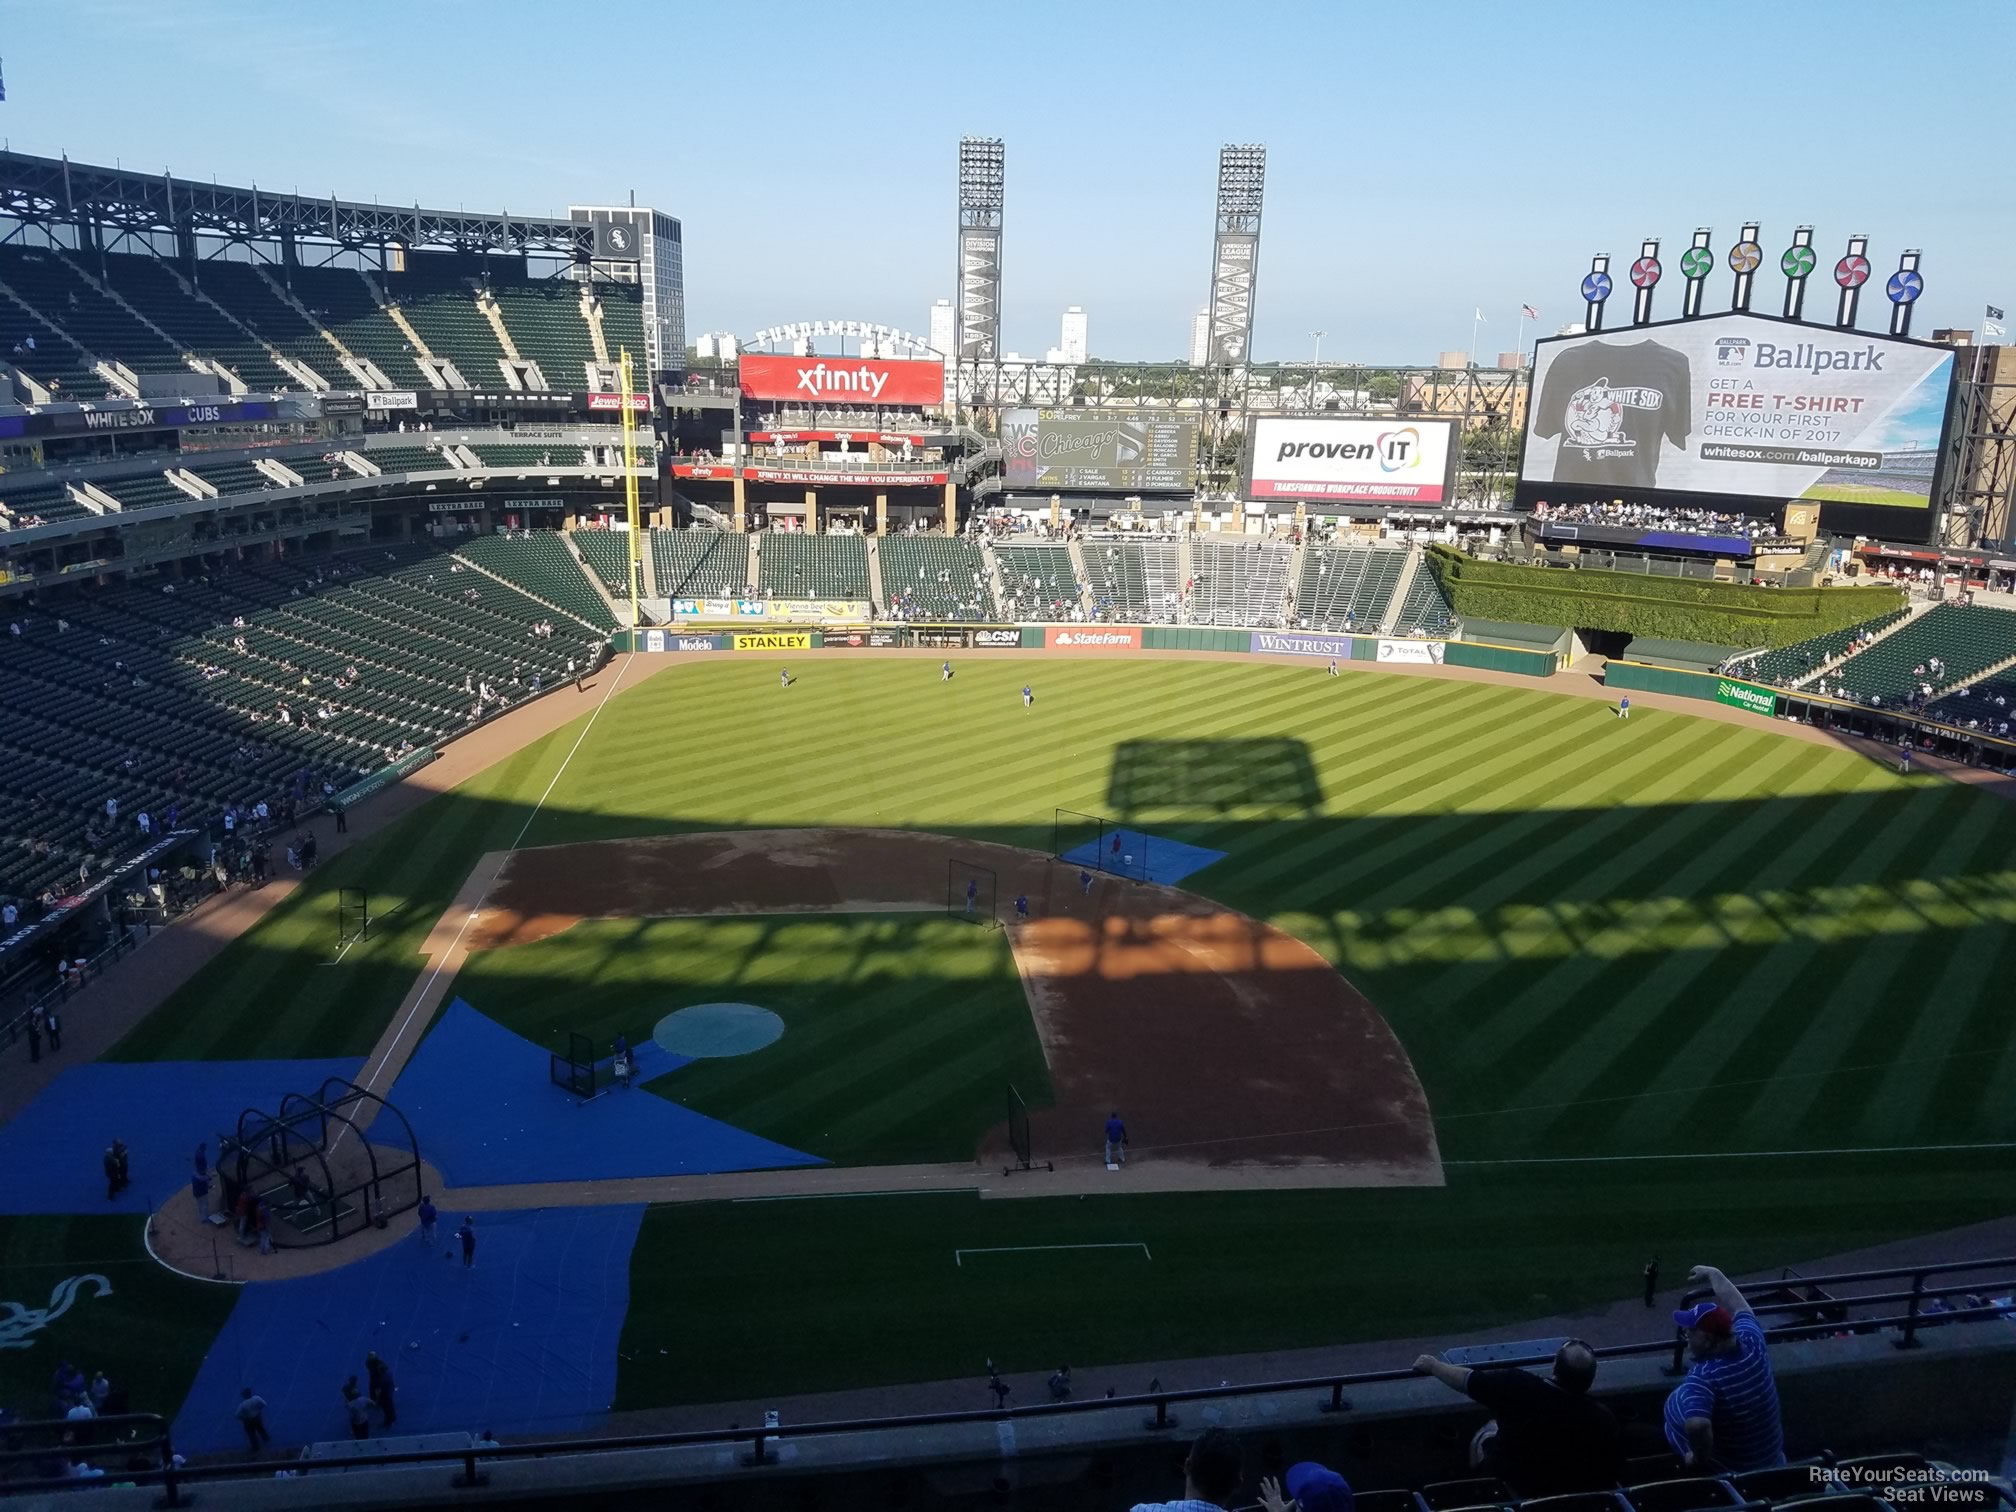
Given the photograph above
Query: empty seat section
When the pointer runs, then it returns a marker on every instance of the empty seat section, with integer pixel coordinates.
(546, 325)
(541, 565)
(1425, 610)
(623, 326)
(935, 577)
(45, 354)
(342, 302)
(1346, 587)
(438, 299)
(555, 454)
(1238, 583)
(32, 499)
(1037, 583)
(100, 325)
(242, 289)
(231, 477)
(606, 553)
(700, 563)
(153, 289)
(796, 565)
(398, 459)
(143, 490)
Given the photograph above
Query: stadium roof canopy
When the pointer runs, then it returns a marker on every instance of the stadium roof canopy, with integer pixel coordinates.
(55, 191)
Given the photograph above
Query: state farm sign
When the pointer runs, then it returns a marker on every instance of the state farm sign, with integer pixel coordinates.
(854, 380)
(1092, 638)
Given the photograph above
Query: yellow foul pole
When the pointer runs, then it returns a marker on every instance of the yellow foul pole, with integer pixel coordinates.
(630, 496)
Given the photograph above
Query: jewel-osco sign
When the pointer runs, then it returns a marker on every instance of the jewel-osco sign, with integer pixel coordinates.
(1747, 696)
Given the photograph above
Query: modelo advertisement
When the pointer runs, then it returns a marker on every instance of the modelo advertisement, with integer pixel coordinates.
(1073, 451)
(1352, 461)
(1741, 405)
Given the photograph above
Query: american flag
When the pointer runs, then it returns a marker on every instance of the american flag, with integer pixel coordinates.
(1529, 312)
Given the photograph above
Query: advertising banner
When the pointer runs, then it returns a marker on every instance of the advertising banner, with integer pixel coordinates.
(1302, 643)
(998, 638)
(718, 609)
(775, 640)
(659, 639)
(1073, 451)
(640, 403)
(1092, 638)
(882, 437)
(818, 611)
(1417, 653)
(849, 380)
(1741, 405)
(403, 400)
(384, 777)
(1742, 695)
(1352, 461)
(865, 639)
(817, 477)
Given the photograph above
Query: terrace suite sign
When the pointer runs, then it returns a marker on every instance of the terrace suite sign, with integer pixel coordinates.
(842, 380)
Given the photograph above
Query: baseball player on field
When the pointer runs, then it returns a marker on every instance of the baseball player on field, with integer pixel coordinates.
(1116, 1141)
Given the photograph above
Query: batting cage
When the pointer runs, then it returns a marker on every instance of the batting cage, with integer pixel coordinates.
(1100, 844)
(315, 1166)
(971, 891)
(575, 1070)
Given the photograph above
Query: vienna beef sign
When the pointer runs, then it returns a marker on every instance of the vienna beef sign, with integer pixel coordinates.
(842, 380)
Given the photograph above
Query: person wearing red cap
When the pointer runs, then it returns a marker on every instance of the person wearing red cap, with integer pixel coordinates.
(1726, 1412)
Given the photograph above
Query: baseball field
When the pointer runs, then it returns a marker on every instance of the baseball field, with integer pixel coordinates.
(1676, 986)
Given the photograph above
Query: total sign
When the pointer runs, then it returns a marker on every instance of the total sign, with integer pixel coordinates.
(1352, 461)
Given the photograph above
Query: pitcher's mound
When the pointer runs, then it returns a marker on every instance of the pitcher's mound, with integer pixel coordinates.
(714, 1031)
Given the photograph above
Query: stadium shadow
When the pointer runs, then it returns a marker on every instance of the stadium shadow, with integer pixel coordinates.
(1217, 775)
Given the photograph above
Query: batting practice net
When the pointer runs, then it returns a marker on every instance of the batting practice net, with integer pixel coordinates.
(353, 915)
(575, 1070)
(971, 892)
(1099, 844)
(1019, 1139)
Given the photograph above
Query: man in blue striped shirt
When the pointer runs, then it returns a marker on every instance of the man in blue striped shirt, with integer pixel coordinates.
(1726, 1411)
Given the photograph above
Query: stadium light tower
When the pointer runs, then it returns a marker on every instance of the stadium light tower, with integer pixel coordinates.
(982, 177)
(1235, 252)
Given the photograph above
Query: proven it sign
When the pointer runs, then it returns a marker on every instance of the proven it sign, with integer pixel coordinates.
(849, 380)
(1352, 461)
(1740, 695)
(1092, 638)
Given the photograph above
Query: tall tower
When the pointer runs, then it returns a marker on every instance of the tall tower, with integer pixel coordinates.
(1235, 252)
(981, 177)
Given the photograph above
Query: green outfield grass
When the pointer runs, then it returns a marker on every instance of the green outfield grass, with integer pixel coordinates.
(148, 1333)
(1671, 936)
(1851, 493)
(901, 1031)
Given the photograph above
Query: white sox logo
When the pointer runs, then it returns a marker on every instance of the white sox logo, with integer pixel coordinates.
(20, 1321)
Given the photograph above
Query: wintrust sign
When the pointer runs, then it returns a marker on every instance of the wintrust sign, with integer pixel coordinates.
(862, 380)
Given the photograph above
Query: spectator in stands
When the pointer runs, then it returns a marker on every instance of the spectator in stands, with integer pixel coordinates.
(1310, 1488)
(1546, 1436)
(1211, 1474)
(1726, 1411)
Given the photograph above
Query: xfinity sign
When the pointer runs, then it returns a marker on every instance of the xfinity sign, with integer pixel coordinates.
(862, 380)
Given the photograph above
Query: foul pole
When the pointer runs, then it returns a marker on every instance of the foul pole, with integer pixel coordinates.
(630, 495)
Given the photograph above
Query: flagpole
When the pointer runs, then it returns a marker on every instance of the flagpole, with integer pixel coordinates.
(1476, 315)
(1519, 341)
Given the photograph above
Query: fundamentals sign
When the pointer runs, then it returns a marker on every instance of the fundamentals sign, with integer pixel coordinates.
(1352, 461)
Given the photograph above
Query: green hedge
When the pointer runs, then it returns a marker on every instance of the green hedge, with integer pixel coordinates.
(1722, 614)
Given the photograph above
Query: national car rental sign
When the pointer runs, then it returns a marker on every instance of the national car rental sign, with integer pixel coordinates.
(842, 380)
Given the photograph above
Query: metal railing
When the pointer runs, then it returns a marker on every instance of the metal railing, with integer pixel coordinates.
(174, 1479)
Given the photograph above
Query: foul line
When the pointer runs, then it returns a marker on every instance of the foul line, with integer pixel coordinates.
(823, 1196)
(419, 1002)
(1926, 1149)
(594, 715)
(959, 1255)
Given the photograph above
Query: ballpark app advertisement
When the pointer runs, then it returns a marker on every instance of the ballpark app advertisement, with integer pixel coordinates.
(1740, 405)
(1352, 461)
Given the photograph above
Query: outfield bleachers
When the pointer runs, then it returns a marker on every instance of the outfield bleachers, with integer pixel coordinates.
(1238, 582)
(1966, 640)
(1038, 583)
(1989, 704)
(935, 577)
(1425, 610)
(546, 325)
(153, 288)
(540, 565)
(1135, 582)
(699, 563)
(606, 554)
(796, 565)
(1785, 665)
(1346, 586)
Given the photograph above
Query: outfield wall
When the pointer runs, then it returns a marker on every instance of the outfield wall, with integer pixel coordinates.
(1107, 640)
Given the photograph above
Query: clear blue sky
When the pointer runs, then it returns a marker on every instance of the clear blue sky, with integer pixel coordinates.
(1422, 160)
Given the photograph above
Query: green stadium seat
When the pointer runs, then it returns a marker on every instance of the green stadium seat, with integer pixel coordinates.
(797, 565)
(935, 577)
(1038, 582)
(1347, 587)
(1237, 582)
(700, 563)
(541, 566)
(1967, 640)
(546, 325)
(153, 289)
(1783, 666)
